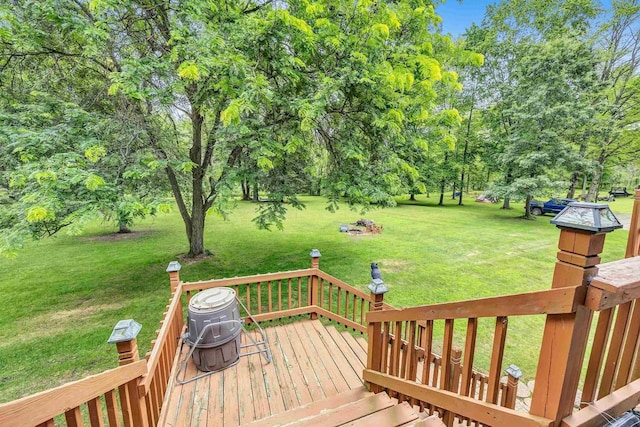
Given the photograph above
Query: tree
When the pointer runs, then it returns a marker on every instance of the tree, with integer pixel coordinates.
(260, 86)
(617, 41)
(539, 86)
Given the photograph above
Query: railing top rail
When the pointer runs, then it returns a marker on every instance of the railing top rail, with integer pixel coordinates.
(154, 357)
(40, 407)
(344, 285)
(241, 280)
(617, 282)
(551, 301)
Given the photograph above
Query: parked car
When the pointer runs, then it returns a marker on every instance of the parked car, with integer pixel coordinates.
(554, 205)
(619, 192)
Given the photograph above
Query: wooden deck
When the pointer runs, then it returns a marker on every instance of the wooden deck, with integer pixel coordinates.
(310, 362)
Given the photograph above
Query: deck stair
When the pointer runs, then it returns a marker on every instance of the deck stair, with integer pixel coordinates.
(357, 407)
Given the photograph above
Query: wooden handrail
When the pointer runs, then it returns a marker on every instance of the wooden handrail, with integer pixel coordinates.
(41, 407)
(205, 284)
(485, 413)
(557, 301)
(617, 282)
(163, 335)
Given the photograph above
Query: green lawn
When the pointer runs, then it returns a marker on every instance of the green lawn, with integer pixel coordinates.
(62, 296)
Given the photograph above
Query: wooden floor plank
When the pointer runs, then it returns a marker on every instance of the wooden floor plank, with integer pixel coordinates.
(393, 416)
(230, 415)
(258, 388)
(283, 377)
(319, 370)
(170, 412)
(272, 385)
(201, 400)
(363, 343)
(308, 376)
(291, 362)
(355, 347)
(246, 411)
(319, 347)
(344, 347)
(185, 403)
(352, 378)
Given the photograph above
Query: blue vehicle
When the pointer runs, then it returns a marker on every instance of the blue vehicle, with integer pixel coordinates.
(554, 206)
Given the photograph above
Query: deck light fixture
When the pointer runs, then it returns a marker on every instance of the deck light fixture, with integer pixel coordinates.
(514, 371)
(315, 253)
(377, 287)
(125, 330)
(593, 217)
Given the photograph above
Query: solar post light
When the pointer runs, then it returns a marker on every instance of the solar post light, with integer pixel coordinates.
(593, 217)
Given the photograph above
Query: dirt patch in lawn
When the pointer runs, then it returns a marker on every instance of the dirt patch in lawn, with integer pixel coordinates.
(114, 237)
(393, 265)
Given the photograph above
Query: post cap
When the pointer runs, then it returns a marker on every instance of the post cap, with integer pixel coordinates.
(377, 287)
(315, 253)
(514, 371)
(173, 266)
(125, 330)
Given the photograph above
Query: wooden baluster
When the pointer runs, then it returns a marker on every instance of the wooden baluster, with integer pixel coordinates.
(48, 423)
(73, 417)
(321, 291)
(330, 297)
(259, 287)
(270, 296)
(353, 304)
(289, 287)
(394, 367)
(188, 297)
(633, 241)
(447, 343)
(437, 365)
(346, 305)
(279, 295)
(137, 405)
(469, 352)
(95, 412)
(412, 357)
(361, 311)
(384, 363)
(247, 290)
(427, 340)
(237, 288)
(112, 408)
(629, 348)
(299, 291)
(614, 350)
(338, 305)
(499, 338)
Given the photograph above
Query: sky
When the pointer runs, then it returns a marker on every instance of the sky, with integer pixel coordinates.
(458, 16)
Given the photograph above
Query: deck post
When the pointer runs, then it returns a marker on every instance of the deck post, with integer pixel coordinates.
(124, 337)
(313, 292)
(174, 275)
(374, 332)
(513, 377)
(565, 335)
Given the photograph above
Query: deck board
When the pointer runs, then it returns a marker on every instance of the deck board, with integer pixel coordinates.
(310, 362)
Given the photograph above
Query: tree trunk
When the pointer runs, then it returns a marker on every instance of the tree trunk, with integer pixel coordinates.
(592, 194)
(122, 227)
(245, 189)
(527, 207)
(412, 197)
(441, 202)
(572, 186)
(506, 203)
(196, 237)
(256, 196)
(466, 150)
(196, 231)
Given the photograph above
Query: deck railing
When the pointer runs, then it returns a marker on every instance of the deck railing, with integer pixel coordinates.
(114, 391)
(580, 288)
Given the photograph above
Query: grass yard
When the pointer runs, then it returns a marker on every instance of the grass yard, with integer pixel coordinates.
(62, 296)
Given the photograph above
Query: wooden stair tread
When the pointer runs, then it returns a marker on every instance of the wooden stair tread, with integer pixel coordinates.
(393, 416)
(313, 408)
(347, 413)
(432, 421)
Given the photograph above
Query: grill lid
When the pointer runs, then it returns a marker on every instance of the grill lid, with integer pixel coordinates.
(212, 299)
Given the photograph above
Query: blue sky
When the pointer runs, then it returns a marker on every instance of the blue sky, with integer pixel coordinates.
(456, 16)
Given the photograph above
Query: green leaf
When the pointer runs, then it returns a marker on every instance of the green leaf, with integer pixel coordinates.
(93, 182)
